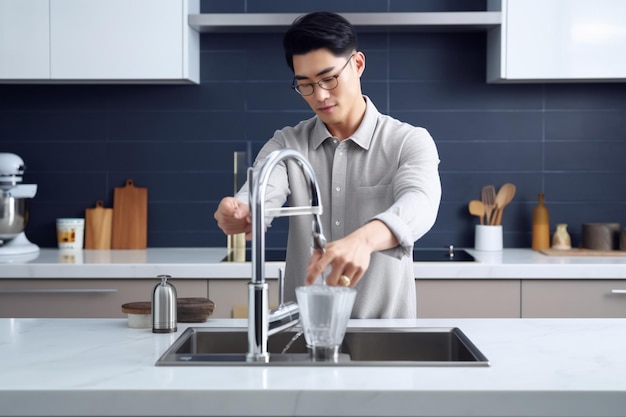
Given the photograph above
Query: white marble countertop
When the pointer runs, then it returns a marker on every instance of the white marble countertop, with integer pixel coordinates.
(101, 367)
(204, 263)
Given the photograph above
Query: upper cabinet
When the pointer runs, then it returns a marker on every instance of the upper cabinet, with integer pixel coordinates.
(142, 41)
(24, 39)
(558, 40)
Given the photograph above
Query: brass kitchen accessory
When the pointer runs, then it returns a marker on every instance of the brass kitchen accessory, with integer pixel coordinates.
(164, 307)
(236, 244)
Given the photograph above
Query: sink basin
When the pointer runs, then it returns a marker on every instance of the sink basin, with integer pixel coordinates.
(205, 346)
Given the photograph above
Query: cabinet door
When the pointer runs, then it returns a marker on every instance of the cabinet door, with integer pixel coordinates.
(574, 298)
(560, 40)
(451, 298)
(103, 298)
(24, 39)
(118, 39)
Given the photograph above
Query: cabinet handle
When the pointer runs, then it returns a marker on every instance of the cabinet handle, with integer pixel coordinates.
(62, 291)
(618, 291)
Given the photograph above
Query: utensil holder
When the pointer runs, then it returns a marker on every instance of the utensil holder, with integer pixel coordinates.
(488, 238)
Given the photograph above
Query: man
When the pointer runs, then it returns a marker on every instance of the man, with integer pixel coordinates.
(378, 177)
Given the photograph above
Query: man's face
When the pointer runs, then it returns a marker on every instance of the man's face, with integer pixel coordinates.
(335, 105)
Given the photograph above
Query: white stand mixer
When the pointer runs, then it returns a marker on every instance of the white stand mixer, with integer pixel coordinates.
(14, 210)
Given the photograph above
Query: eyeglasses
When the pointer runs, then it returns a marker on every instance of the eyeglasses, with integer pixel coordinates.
(328, 83)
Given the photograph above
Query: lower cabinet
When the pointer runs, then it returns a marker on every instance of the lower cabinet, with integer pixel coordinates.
(573, 298)
(436, 298)
(475, 298)
(92, 298)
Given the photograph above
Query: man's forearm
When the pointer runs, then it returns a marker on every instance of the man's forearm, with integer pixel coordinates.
(377, 236)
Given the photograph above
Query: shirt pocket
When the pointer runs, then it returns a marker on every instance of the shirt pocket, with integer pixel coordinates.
(372, 201)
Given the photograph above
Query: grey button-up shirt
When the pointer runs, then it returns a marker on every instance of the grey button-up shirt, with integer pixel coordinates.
(387, 170)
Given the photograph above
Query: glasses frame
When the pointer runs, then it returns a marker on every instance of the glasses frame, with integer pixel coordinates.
(320, 83)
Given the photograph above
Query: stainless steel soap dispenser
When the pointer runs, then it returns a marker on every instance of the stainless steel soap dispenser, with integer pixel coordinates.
(164, 307)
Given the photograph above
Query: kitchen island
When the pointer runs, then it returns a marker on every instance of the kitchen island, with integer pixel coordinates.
(101, 367)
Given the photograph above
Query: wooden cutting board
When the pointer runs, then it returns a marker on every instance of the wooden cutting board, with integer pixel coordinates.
(188, 310)
(130, 217)
(98, 227)
(582, 252)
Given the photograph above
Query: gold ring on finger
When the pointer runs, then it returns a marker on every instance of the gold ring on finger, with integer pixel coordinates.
(345, 280)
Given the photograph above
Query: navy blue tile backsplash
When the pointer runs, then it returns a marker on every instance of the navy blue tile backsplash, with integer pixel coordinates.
(567, 140)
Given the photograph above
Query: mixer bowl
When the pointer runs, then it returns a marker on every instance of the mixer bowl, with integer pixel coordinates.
(13, 216)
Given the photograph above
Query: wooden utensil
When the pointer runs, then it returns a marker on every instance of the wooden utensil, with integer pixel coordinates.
(98, 226)
(130, 217)
(488, 196)
(503, 198)
(477, 208)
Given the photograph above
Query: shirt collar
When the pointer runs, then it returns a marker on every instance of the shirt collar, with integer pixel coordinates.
(363, 135)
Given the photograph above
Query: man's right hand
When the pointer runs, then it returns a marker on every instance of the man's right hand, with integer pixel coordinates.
(233, 217)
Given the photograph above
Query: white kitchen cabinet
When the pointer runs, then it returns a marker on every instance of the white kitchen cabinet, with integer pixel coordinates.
(88, 298)
(131, 41)
(558, 40)
(24, 39)
(573, 298)
(468, 298)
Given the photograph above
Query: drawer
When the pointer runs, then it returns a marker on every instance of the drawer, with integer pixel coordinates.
(468, 298)
(101, 298)
(574, 298)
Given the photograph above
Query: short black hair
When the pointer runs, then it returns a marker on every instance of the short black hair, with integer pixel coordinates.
(319, 30)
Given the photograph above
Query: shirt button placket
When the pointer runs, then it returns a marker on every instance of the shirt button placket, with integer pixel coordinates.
(338, 203)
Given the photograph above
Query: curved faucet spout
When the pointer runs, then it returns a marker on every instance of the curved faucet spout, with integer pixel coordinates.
(258, 178)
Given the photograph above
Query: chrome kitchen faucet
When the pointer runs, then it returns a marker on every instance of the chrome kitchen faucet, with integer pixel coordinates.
(261, 322)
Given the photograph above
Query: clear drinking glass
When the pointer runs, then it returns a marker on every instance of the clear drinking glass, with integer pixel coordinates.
(324, 315)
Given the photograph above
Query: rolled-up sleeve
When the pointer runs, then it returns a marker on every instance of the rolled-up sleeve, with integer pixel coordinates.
(416, 189)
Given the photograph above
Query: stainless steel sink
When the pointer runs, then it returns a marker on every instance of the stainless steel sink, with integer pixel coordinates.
(204, 346)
